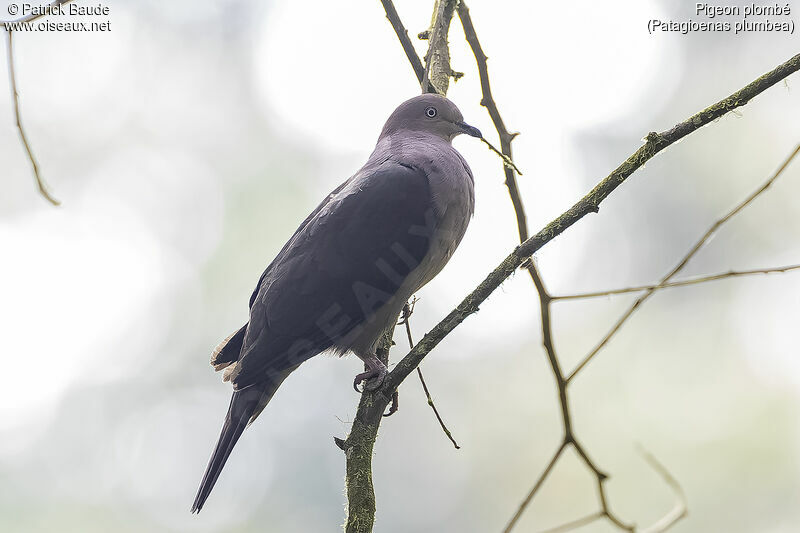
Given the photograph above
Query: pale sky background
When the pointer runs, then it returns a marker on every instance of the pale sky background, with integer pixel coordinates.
(188, 142)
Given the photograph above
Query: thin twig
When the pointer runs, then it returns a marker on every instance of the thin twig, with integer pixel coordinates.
(405, 320)
(536, 486)
(15, 93)
(436, 411)
(575, 524)
(487, 101)
(680, 510)
(681, 283)
(682, 263)
(405, 41)
(22, 135)
(506, 160)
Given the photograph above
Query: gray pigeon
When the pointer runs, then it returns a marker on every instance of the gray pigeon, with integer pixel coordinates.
(345, 274)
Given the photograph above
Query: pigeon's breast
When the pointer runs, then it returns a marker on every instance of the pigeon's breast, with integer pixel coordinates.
(452, 203)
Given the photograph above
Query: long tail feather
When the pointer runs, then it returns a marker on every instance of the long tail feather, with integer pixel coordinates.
(243, 405)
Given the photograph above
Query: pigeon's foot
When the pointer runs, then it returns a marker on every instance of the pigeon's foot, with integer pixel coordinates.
(374, 375)
(395, 404)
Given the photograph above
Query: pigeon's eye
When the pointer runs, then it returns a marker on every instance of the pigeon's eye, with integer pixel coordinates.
(430, 112)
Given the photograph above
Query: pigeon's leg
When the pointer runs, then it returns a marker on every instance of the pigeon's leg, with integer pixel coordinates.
(374, 375)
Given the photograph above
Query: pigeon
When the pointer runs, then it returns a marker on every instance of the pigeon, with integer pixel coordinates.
(344, 276)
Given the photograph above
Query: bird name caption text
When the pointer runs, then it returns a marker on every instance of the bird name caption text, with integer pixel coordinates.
(29, 15)
(749, 18)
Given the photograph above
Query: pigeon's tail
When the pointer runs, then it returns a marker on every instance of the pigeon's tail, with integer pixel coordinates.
(246, 405)
(243, 404)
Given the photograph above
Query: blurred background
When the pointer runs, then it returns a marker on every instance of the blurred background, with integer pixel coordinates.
(187, 144)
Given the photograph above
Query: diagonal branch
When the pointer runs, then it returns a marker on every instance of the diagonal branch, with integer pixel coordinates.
(405, 41)
(683, 262)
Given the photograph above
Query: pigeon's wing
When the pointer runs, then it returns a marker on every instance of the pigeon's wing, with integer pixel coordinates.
(343, 264)
(310, 217)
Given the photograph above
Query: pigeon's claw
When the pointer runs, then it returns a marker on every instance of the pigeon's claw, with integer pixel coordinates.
(395, 404)
(374, 375)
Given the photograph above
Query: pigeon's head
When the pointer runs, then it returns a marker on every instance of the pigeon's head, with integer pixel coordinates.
(429, 113)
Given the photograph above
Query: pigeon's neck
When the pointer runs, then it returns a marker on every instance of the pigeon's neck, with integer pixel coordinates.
(448, 174)
(409, 146)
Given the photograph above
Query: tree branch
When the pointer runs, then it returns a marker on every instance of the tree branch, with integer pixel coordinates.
(405, 41)
(536, 486)
(681, 283)
(18, 117)
(680, 510)
(682, 263)
(437, 60)
(406, 321)
(15, 93)
(358, 450)
(575, 524)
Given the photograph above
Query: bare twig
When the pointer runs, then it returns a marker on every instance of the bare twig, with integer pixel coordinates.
(680, 510)
(536, 486)
(408, 310)
(15, 93)
(487, 101)
(681, 283)
(405, 41)
(18, 117)
(506, 159)
(575, 524)
(682, 263)
(436, 411)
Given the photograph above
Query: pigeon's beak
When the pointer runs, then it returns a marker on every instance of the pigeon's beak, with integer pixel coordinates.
(469, 130)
